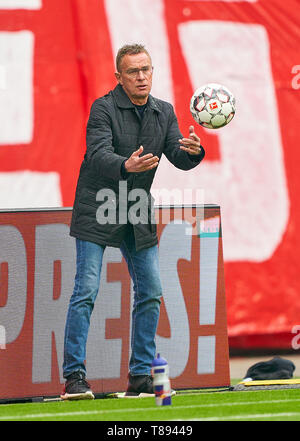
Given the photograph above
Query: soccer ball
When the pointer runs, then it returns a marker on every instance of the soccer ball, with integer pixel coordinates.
(212, 106)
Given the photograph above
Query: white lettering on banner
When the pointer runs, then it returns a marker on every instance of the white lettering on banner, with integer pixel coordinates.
(251, 169)
(3, 75)
(19, 189)
(209, 253)
(143, 21)
(17, 114)
(16, 103)
(174, 245)
(53, 244)
(206, 354)
(2, 337)
(13, 253)
(103, 358)
(20, 4)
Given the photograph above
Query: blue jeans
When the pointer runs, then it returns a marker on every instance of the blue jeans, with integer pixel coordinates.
(144, 270)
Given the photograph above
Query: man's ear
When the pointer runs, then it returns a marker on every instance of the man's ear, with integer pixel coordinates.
(118, 77)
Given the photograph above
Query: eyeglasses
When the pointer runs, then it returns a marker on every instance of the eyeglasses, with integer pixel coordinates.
(133, 73)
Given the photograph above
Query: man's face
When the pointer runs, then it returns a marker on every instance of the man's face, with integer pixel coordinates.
(135, 77)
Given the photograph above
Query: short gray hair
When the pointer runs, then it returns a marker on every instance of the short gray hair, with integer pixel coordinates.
(129, 49)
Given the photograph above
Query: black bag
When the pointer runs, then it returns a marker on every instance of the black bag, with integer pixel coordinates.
(276, 369)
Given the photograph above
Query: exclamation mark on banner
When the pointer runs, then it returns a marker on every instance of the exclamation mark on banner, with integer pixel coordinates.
(209, 231)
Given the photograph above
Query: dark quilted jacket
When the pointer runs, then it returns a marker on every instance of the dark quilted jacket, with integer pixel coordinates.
(114, 131)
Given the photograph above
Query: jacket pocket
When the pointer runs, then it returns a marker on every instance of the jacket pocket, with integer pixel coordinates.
(88, 197)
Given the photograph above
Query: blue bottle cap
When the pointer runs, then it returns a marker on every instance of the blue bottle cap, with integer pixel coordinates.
(159, 361)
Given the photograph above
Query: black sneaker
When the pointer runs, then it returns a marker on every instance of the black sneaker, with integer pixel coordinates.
(140, 386)
(77, 388)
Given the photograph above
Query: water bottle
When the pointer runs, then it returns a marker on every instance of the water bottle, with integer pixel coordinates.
(161, 382)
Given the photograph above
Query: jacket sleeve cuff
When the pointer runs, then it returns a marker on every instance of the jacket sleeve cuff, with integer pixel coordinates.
(124, 172)
(199, 157)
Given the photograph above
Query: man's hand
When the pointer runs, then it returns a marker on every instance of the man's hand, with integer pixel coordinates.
(137, 163)
(192, 143)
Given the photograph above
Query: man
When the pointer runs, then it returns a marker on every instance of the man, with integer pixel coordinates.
(127, 132)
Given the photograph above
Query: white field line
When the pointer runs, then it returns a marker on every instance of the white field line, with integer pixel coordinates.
(245, 417)
(142, 409)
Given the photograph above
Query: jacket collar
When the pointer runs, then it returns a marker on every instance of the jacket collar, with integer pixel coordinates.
(124, 102)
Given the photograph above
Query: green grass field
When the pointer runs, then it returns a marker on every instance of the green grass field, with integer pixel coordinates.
(269, 405)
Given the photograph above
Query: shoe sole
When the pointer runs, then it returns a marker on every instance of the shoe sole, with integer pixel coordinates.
(80, 396)
(141, 395)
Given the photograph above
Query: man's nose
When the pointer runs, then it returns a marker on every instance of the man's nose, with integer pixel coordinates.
(140, 75)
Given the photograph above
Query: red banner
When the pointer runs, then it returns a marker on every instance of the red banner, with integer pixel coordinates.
(57, 56)
(37, 263)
